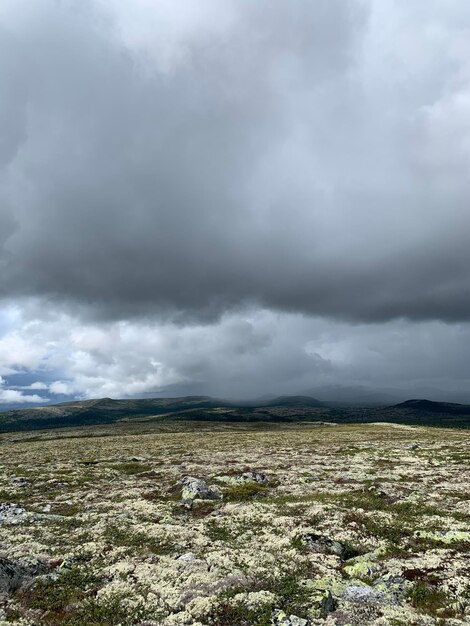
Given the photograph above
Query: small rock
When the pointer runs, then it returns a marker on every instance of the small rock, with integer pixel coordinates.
(394, 587)
(188, 557)
(196, 488)
(19, 481)
(280, 618)
(13, 573)
(33, 566)
(256, 477)
(364, 594)
(12, 514)
(324, 545)
(323, 603)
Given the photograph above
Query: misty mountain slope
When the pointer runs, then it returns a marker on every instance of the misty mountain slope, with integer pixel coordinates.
(284, 409)
(295, 401)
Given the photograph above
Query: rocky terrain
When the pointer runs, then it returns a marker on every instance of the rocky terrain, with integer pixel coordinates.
(243, 526)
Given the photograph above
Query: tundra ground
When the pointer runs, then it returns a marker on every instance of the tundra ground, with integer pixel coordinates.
(352, 525)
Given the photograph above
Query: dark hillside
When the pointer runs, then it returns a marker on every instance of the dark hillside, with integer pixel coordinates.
(284, 409)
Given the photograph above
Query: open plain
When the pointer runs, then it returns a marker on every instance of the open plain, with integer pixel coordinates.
(286, 525)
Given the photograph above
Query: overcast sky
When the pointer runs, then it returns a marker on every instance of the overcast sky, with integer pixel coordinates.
(234, 198)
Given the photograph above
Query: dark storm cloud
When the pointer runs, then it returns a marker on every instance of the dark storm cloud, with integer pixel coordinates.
(309, 157)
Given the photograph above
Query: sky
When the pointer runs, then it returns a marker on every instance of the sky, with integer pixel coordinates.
(234, 198)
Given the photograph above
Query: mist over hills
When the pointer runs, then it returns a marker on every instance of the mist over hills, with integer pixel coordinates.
(286, 409)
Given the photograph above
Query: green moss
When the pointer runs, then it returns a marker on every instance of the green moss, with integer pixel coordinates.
(430, 599)
(229, 614)
(298, 543)
(244, 491)
(131, 468)
(68, 510)
(55, 595)
(216, 532)
(294, 597)
(111, 611)
(5, 495)
(137, 542)
(411, 510)
(393, 532)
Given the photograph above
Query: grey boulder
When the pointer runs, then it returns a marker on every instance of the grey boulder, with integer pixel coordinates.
(256, 477)
(14, 573)
(197, 489)
(324, 545)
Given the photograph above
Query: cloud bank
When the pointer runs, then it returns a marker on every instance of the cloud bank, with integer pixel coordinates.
(171, 172)
(303, 157)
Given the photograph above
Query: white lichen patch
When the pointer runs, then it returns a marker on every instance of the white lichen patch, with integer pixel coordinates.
(105, 514)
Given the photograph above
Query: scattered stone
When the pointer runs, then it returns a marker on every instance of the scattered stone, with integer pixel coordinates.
(388, 590)
(196, 488)
(33, 566)
(280, 618)
(246, 477)
(323, 603)
(393, 587)
(136, 459)
(364, 594)
(13, 573)
(324, 545)
(20, 481)
(12, 514)
(256, 477)
(188, 557)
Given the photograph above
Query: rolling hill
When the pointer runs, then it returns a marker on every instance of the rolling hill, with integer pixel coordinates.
(207, 409)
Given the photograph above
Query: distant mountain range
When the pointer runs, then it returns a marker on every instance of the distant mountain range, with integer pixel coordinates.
(205, 408)
(448, 408)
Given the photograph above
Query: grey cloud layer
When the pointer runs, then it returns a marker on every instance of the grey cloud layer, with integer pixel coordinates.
(306, 157)
(238, 356)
